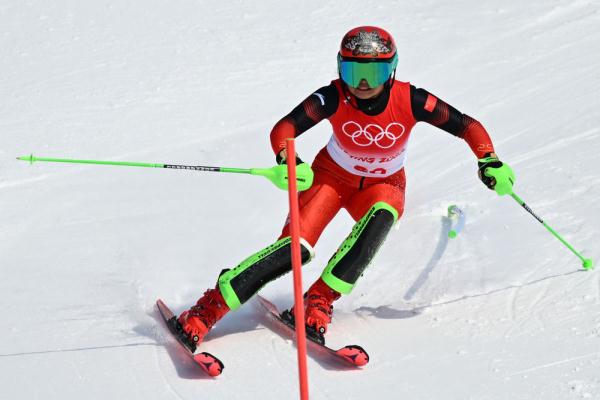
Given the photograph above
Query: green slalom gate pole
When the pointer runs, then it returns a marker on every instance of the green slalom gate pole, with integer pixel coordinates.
(587, 262)
(271, 174)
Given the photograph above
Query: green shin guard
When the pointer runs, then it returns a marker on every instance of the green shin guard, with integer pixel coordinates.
(359, 248)
(239, 284)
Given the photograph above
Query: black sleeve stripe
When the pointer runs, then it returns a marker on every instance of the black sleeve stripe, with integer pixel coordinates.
(315, 108)
(443, 115)
(330, 99)
(467, 122)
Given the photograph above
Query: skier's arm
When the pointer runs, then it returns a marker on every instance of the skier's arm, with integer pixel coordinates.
(495, 174)
(316, 107)
(427, 107)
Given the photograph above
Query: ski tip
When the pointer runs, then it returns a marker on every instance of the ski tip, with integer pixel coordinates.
(211, 364)
(164, 310)
(160, 304)
(354, 354)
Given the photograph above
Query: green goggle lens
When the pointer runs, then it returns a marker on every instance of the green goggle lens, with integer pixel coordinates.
(374, 72)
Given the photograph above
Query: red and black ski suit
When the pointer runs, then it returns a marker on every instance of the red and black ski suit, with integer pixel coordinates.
(362, 170)
(363, 162)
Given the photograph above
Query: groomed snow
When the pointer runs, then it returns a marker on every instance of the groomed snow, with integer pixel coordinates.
(504, 311)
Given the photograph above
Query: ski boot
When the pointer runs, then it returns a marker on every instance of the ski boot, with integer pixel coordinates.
(200, 318)
(318, 310)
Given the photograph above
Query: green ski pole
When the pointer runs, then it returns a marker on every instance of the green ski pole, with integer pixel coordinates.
(273, 174)
(587, 262)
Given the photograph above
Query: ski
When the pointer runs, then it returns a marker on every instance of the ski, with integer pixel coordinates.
(350, 355)
(209, 363)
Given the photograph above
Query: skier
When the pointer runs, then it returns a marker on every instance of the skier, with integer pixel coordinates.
(361, 169)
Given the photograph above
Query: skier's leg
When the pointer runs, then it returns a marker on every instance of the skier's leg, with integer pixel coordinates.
(376, 208)
(241, 283)
(359, 248)
(348, 264)
(318, 206)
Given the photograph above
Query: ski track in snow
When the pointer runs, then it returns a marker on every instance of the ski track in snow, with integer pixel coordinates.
(568, 360)
(501, 312)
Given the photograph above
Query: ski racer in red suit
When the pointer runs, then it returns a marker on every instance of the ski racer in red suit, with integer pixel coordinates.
(361, 169)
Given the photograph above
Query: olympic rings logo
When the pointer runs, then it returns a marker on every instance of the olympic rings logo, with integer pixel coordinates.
(373, 133)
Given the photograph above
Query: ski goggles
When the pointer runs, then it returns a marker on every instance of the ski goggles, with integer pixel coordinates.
(375, 72)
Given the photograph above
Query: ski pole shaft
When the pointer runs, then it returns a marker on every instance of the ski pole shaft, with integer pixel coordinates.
(587, 262)
(31, 158)
(276, 174)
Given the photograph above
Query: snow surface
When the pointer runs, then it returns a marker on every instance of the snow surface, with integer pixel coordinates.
(502, 312)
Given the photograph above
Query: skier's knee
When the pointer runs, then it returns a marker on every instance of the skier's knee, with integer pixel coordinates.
(359, 248)
(239, 284)
(383, 210)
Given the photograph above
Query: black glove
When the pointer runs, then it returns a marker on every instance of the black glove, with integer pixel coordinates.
(282, 160)
(495, 174)
(489, 160)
